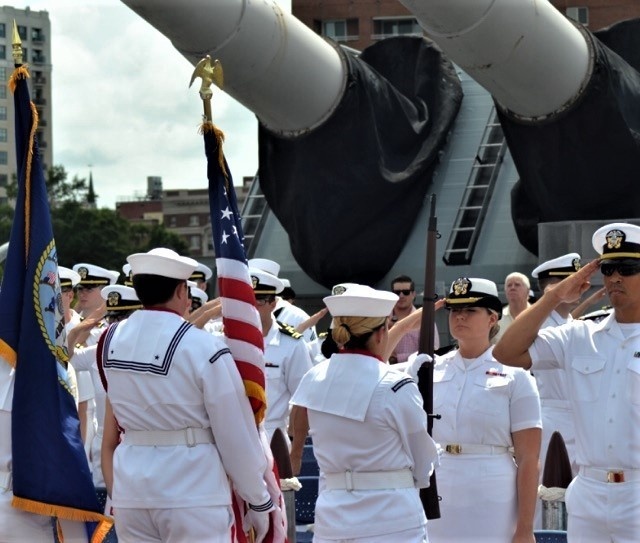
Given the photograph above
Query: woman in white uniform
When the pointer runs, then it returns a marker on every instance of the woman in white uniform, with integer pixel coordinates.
(369, 429)
(489, 430)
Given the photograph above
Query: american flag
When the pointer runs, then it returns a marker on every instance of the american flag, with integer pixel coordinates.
(240, 317)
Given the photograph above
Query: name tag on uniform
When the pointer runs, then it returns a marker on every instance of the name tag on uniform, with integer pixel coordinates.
(270, 365)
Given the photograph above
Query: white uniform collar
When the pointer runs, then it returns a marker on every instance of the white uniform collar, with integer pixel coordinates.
(342, 385)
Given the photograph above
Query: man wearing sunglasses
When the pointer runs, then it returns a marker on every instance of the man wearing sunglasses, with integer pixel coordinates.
(601, 362)
(404, 287)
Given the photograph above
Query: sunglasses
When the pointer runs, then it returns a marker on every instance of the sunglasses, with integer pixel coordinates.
(626, 269)
(404, 292)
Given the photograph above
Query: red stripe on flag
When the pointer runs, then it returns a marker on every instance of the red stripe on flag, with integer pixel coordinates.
(250, 371)
(238, 290)
(246, 332)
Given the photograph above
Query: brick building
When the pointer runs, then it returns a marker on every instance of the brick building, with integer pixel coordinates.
(359, 23)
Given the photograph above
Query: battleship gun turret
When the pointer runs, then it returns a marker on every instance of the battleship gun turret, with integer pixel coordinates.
(349, 143)
(567, 98)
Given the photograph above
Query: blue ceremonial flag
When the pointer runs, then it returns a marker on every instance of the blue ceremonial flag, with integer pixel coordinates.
(50, 471)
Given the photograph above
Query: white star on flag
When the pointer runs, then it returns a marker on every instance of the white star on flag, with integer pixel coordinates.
(227, 213)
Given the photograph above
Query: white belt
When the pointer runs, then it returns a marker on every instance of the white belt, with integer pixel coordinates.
(164, 438)
(369, 480)
(5, 480)
(610, 475)
(559, 404)
(465, 448)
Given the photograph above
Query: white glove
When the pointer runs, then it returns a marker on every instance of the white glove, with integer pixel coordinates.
(259, 520)
(415, 362)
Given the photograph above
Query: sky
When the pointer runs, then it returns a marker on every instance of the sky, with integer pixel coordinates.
(122, 106)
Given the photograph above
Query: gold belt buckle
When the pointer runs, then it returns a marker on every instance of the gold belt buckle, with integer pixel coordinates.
(453, 449)
(615, 477)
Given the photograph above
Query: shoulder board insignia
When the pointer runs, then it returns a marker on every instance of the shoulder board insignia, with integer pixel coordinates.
(401, 383)
(323, 335)
(289, 330)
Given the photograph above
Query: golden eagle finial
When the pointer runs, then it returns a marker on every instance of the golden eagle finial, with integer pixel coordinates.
(210, 72)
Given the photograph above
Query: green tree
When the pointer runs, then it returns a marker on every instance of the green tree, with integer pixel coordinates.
(59, 188)
(102, 237)
(6, 220)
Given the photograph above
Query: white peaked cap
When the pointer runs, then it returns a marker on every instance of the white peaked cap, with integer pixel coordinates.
(264, 264)
(199, 293)
(67, 274)
(264, 282)
(558, 267)
(617, 240)
(90, 274)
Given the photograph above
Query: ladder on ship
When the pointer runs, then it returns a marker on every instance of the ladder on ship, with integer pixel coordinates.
(254, 213)
(477, 194)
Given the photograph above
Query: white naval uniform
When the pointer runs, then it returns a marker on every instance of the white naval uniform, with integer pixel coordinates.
(555, 404)
(365, 416)
(165, 374)
(602, 365)
(556, 412)
(86, 391)
(286, 360)
(16, 526)
(481, 403)
(84, 361)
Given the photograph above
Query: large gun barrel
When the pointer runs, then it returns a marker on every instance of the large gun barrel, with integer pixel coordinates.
(273, 64)
(531, 58)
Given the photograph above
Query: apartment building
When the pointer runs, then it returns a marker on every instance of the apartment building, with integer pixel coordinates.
(34, 28)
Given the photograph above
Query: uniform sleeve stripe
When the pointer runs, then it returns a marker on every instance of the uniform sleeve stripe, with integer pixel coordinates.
(220, 353)
(401, 383)
(262, 508)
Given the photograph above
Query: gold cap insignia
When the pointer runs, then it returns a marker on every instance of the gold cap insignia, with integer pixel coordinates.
(254, 281)
(83, 272)
(461, 286)
(337, 290)
(113, 299)
(614, 238)
(576, 264)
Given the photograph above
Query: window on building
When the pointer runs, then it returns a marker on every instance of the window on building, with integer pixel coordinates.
(336, 30)
(3, 73)
(3, 52)
(398, 26)
(579, 14)
(3, 134)
(3, 30)
(173, 221)
(4, 179)
(194, 220)
(38, 56)
(3, 157)
(340, 30)
(22, 30)
(3, 113)
(3, 91)
(194, 242)
(36, 34)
